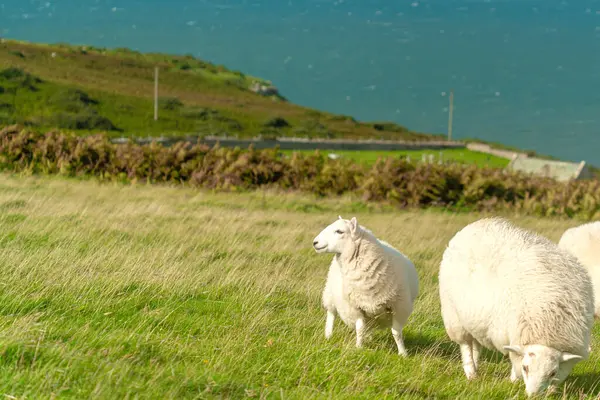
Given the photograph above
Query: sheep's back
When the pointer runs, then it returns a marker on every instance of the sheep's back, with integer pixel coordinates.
(375, 279)
(583, 241)
(506, 283)
(405, 270)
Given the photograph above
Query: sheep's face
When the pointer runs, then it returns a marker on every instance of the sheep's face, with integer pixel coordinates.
(542, 367)
(336, 237)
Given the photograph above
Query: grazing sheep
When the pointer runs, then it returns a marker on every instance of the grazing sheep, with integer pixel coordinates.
(368, 280)
(583, 242)
(508, 289)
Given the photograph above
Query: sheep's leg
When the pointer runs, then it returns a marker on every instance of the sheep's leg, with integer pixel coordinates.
(515, 370)
(329, 324)
(360, 331)
(476, 351)
(513, 374)
(466, 353)
(397, 333)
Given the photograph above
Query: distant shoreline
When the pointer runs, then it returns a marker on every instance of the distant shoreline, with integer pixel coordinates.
(196, 96)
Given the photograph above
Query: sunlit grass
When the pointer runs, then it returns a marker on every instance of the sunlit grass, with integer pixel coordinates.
(463, 156)
(110, 291)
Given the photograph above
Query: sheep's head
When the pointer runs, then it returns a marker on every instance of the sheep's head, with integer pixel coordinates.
(336, 237)
(542, 366)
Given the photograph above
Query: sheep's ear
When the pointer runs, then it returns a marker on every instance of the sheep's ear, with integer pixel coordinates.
(340, 217)
(568, 356)
(514, 349)
(353, 225)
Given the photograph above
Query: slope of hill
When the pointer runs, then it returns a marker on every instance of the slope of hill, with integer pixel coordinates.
(95, 89)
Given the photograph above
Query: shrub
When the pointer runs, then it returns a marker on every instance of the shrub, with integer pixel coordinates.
(11, 74)
(277, 122)
(391, 180)
(18, 78)
(86, 120)
(72, 100)
(200, 113)
(170, 103)
(17, 53)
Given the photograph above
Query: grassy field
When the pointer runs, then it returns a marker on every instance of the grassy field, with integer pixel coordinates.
(196, 97)
(153, 292)
(463, 156)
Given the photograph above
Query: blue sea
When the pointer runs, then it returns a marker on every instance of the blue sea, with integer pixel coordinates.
(524, 72)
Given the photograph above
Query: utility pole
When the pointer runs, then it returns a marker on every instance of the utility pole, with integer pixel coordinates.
(450, 110)
(156, 93)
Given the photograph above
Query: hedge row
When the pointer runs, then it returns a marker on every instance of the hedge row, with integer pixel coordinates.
(396, 181)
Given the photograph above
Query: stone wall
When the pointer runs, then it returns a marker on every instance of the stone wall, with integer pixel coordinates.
(484, 148)
(307, 144)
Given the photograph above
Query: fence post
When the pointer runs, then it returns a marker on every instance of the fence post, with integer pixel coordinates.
(450, 110)
(156, 93)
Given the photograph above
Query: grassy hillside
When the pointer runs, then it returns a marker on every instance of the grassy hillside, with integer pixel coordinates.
(152, 292)
(92, 89)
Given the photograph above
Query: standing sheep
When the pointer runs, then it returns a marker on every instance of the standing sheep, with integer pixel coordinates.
(368, 280)
(514, 291)
(583, 242)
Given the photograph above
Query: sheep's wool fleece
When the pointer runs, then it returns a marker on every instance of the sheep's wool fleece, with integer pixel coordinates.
(374, 275)
(503, 285)
(583, 242)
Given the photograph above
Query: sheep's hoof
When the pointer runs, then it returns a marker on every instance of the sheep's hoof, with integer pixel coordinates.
(403, 354)
(470, 373)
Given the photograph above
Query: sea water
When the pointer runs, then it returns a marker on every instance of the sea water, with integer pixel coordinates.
(524, 72)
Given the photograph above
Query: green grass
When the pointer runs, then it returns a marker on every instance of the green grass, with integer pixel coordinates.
(213, 99)
(112, 291)
(49, 105)
(463, 156)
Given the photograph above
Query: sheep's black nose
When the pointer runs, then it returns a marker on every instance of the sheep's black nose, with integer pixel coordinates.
(315, 243)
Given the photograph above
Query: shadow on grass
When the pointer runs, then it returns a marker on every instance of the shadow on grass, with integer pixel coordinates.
(426, 344)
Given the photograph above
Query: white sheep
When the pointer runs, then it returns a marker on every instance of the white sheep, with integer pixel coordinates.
(508, 289)
(369, 281)
(583, 242)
